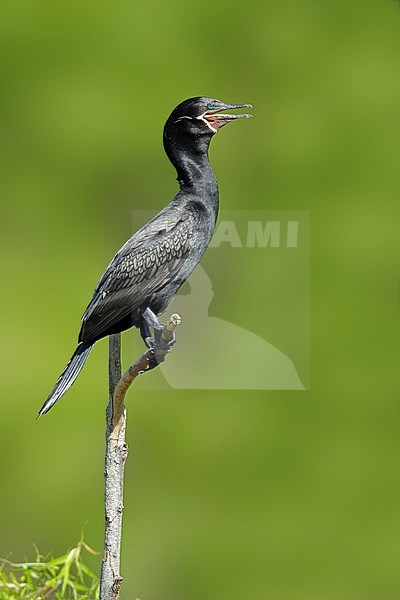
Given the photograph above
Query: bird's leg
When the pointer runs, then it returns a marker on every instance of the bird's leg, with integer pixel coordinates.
(152, 320)
(149, 319)
(146, 333)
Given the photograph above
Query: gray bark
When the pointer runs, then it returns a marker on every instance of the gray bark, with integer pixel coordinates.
(116, 454)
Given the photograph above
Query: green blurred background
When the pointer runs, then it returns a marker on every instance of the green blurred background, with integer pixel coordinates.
(229, 495)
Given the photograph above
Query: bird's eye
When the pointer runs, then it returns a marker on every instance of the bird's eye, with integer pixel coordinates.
(211, 106)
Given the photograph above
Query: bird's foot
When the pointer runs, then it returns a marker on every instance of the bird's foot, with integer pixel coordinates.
(149, 341)
(160, 349)
(163, 338)
(162, 345)
(157, 343)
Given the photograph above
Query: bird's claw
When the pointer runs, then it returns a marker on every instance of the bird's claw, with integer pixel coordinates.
(149, 341)
(156, 343)
(159, 350)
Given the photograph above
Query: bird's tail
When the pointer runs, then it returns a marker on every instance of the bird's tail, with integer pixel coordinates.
(68, 376)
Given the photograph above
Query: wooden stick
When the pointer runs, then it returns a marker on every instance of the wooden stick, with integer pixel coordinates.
(117, 452)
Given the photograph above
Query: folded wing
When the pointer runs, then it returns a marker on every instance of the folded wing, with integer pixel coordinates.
(144, 265)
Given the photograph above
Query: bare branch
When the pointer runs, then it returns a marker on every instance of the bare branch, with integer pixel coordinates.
(117, 451)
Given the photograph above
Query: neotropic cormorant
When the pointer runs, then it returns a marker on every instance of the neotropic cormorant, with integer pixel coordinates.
(146, 273)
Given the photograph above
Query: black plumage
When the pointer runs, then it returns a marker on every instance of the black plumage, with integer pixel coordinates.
(144, 276)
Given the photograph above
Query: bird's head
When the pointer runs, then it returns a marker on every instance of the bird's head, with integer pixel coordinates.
(201, 117)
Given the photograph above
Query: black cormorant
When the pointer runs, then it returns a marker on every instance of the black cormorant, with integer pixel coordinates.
(146, 273)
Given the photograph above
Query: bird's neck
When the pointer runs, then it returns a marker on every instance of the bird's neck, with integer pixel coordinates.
(195, 175)
(197, 180)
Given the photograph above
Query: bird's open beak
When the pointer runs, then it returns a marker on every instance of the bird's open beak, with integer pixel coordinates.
(215, 119)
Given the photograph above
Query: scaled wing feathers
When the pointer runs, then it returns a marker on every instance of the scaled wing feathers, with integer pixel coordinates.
(144, 265)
